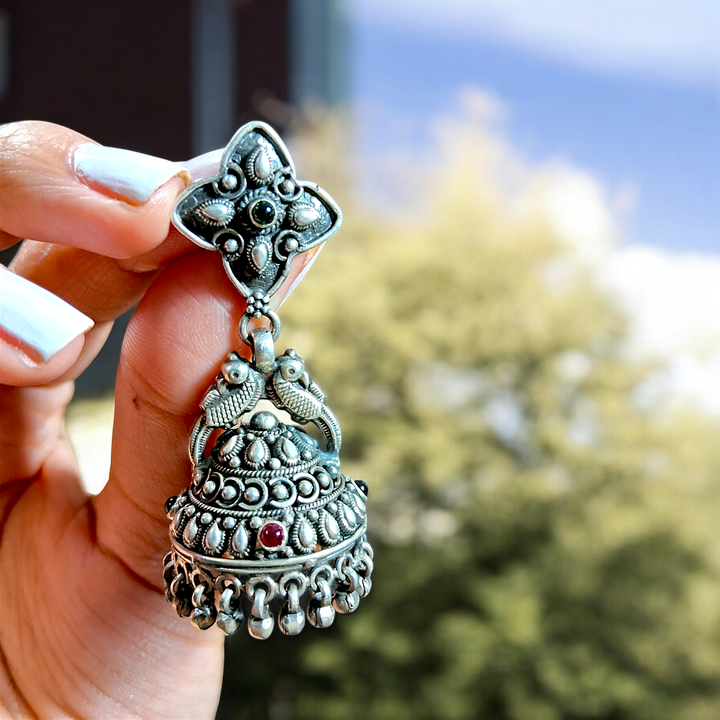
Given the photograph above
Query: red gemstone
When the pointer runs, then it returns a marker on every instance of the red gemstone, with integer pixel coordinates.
(272, 535)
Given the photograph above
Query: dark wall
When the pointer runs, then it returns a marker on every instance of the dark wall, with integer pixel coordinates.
(124, 73)
(117, 72)
(262, 69)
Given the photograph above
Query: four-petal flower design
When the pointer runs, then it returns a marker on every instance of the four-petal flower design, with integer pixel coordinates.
(255, 212)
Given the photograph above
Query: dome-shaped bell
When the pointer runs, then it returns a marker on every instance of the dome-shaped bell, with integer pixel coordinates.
(269, 503)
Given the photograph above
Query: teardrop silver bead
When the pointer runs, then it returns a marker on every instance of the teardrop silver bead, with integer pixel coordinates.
(306, 534)
(229, 446)
(240, 540)
(259, 256)
(332, 529)
(213, 539)
(262, 166)
(216, 213)
(191, 531)
(304, 216)
(258, 452)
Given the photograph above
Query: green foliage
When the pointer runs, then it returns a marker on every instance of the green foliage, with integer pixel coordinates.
(545, 542)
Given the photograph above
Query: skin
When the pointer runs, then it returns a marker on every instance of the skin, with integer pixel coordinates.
(85, 631)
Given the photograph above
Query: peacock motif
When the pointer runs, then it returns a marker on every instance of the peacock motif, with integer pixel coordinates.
(293, 390)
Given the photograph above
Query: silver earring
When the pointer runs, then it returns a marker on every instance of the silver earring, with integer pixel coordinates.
(269, 528)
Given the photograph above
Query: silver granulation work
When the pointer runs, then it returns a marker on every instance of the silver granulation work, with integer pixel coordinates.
(270, 529)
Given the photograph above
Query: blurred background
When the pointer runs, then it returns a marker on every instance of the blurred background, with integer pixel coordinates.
(517, 325)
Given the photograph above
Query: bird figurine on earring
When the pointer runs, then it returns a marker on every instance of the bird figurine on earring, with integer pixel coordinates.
(270, 529)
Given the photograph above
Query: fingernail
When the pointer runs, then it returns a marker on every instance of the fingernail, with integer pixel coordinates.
(205, 165)
(36, 317)
(130, 175)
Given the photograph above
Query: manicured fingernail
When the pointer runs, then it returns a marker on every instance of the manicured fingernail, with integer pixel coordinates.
(205, 165)
(36, 317)
(130, 175)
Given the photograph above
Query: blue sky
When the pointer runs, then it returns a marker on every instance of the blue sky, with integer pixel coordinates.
(639, 111)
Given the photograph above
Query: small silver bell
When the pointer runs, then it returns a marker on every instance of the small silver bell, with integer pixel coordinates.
(346, 603)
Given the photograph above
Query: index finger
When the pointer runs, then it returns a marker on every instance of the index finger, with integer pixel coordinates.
(58, 186)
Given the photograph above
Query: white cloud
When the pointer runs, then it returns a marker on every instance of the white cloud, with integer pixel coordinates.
(578, 206)
(672, 299)
(665, 39)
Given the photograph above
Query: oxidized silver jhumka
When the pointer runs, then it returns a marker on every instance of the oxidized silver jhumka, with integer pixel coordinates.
(269, 527)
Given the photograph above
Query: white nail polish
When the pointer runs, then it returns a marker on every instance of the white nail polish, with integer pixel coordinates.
(130, 175)
(36, 317)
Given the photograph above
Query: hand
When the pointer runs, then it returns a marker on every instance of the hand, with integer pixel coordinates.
(85, 630)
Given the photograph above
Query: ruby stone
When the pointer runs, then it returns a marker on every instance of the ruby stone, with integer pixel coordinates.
(272, 535)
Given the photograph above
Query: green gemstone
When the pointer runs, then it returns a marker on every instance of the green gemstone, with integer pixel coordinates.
(263, 213)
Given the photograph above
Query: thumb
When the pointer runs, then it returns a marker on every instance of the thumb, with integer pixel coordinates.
(178, 337)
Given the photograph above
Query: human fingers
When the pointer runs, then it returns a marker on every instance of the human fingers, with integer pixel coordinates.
(82, 636)
(98, 285)
(43, 337)
(95, 288)
(33, 325)
(30, 425)
(101, 288)
(58, 186)
(84, 287)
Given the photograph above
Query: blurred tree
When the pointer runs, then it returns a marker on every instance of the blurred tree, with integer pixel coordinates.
(545, 535)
